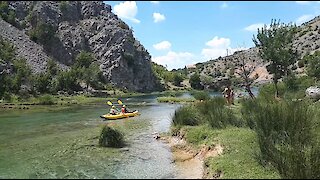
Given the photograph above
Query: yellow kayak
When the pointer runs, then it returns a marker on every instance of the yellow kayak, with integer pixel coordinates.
(119, 116)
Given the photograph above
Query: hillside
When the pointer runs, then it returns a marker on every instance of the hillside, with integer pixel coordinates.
(43, 30)
(216, 72)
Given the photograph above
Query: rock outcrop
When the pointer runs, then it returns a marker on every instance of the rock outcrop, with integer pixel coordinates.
(313, 92)
(82, 26)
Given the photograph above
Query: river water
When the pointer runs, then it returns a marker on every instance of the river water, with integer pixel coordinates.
(62, 143)
(47, 143)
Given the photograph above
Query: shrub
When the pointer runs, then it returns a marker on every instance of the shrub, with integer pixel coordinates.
(201, 95)
(217, 114)
(195, 81)
(286, 139)
(46, 100)
(42, 33)
(185, 115)
(268, 91)
(110, 137)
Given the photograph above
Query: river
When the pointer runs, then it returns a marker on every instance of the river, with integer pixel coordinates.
(62, 143)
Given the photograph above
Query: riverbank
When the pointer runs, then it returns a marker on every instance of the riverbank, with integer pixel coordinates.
(203, 153)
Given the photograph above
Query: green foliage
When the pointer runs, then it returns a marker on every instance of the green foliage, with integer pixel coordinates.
(313, 68)
(46, 100)
(217, 114)
(67, 81)
(7, 51)
(63, 6)
(267, 91)
(111, 137)
(275, 47)
(84, 59)
(186, 116)
(200, 95)
(7, 14)
(52, 67)
(177, 79)
(42, 33)
(195, 81)
(286, 138)
(43, 82)
(22, 74)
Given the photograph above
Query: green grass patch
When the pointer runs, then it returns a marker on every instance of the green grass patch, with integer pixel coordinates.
(174, 100)
(238, 160)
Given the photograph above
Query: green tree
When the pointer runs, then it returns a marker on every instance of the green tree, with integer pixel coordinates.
(275, 47)
(43, 82)
(42, 33)
(22, 74)
(84, 59)
(195, 81)
(177, 79)
(313, 68)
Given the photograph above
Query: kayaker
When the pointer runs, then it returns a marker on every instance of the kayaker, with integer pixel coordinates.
(113, 110)
(124, 109)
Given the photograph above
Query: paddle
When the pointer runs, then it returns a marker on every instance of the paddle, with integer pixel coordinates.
(120, 102)
(110, 103)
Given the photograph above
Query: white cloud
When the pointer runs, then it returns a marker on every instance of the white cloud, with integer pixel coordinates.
(304, 18)
(174, 60)
(155, 2)
(224, 5)
(303, 2)
(164, 45)
(217, 42)
(254, 27)
(127, 10)
(219, 47)
(157, 17)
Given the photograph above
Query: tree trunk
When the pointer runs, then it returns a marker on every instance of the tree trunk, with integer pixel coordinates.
(277, 91)
(248, 89)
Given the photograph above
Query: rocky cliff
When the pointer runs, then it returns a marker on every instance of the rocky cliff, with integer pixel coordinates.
(77, 26)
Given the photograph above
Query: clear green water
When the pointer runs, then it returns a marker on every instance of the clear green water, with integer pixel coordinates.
(63, 143)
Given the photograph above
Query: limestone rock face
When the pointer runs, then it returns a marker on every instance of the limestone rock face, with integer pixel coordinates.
(82, 26)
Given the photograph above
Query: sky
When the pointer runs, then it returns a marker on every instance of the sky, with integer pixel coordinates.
(181, 33)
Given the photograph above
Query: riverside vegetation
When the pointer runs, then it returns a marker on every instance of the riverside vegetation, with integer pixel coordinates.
(273, 135)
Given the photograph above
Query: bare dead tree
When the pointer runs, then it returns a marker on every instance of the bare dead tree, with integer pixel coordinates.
(245, 66)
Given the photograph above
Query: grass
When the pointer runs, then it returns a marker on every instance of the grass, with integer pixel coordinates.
(111, 137)
(175, 100)
(238, 160)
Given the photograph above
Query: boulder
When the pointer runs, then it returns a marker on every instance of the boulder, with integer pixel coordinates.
(313, 92)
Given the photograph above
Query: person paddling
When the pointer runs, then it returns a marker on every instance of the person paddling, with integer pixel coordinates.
(124, 109)
(113, 110)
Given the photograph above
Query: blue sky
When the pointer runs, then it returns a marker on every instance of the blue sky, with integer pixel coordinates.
(179, 33)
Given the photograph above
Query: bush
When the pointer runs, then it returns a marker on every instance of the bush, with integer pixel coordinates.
(286, 139)
(186, 115)
(42, 33)
(110, 137)
(217, 114)
(46, 100)
(201, 95)
(268, 91)
(195, 81)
